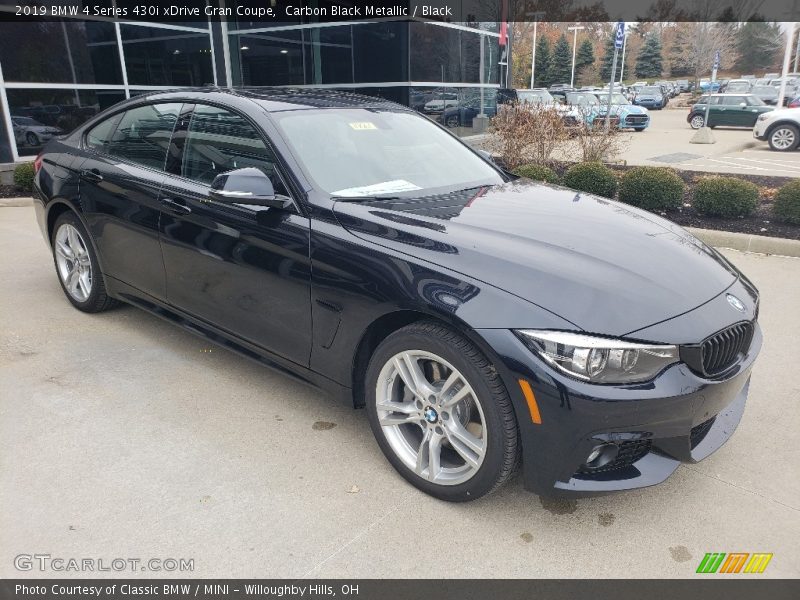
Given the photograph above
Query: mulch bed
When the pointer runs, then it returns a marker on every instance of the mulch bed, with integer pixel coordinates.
(10, 191)
(761, 222)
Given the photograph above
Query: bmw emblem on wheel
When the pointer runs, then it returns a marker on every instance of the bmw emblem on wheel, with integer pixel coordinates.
(431, 416)
(735, 302)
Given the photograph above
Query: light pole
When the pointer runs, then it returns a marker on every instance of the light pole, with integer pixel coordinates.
(786, 58)
(575, 30)
(536, 16)
(622, 63)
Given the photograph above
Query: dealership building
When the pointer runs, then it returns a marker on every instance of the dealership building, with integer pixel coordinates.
(57, 73)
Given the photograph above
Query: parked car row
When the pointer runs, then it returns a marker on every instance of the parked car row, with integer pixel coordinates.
(583, 107)
(780, 128)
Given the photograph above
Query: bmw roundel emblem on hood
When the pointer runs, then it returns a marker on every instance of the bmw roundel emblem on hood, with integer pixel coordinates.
(735, 302)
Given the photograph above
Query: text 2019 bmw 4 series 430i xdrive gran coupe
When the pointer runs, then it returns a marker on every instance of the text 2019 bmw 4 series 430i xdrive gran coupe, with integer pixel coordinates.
(483, 320)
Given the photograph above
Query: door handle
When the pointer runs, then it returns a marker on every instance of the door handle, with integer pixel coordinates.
(175, 206)
(92, 175)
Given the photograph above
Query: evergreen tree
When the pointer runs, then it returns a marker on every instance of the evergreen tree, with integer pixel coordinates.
(649, 62)
(542, 77)
(608, 59)
(757, 45)
(561, 65)
(584, 57)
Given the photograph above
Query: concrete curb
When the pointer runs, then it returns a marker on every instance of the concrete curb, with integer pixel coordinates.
(746, 242)
(723, 239)
(20, 201)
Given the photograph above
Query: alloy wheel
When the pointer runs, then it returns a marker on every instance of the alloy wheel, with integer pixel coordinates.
(73, 262)
(697, 122)
(32, 139)
(783, 138)
(431, 417)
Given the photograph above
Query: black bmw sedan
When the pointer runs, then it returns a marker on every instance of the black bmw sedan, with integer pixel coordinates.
(482, 320)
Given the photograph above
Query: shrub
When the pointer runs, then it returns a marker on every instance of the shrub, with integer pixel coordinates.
(725, 197)
(23, 176)
(525, 133)
(537, 173)
(787, 203)
(652, 188)
(592, 177)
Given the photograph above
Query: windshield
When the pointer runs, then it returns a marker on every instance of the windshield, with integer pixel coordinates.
(738, 86)
(366, 152)
(538, 97)
(765, 90)
(650, 89)
(579, 99)
(615, 98)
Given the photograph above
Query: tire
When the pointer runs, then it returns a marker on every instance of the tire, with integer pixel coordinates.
(784, 137)
(81, 279)
(453, 365)
(697, 121)
(639, 129)
(452, 122)
(32, 139)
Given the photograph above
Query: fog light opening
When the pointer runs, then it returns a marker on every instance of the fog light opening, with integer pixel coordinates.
(601, 455)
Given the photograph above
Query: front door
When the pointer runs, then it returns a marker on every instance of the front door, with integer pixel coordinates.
(244, 269)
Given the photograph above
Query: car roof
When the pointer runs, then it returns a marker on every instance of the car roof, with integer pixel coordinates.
(281, 99)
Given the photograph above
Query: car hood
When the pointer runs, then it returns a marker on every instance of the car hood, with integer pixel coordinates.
(606, 267)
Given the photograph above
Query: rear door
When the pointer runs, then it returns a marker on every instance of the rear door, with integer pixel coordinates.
(119, 184)
(244, 269)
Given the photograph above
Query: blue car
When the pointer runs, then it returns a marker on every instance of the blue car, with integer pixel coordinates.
(650, 96)
(706, 86)
(627, 115)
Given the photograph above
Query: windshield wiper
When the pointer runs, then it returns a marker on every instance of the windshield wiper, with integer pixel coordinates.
(363, 198)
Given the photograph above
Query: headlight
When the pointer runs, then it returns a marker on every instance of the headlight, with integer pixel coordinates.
(763, 117)
(599, 360)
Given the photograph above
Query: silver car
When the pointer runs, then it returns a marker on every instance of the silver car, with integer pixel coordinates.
(28, 130)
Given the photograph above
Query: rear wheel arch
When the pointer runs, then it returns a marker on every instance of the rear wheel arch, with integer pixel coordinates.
(58, 207)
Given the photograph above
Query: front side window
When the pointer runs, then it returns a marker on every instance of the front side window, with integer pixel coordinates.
(733, 100)
(219, 141)
(144, 133)
(367, 152)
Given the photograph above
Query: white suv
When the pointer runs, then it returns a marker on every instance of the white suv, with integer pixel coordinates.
(780, 128)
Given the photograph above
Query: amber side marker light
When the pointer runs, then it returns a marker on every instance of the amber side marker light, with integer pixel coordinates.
(533, 407)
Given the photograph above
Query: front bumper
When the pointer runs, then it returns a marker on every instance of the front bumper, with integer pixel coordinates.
(677, 417)
(760, 130)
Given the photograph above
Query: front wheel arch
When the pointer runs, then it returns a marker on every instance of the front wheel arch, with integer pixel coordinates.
(774, 126)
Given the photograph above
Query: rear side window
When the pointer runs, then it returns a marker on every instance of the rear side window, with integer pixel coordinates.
(219, 141)
(100, 135)
(143, 135)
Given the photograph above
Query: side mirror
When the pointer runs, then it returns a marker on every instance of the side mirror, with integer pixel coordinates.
(743, 104)
(246, 186)
(486, 155)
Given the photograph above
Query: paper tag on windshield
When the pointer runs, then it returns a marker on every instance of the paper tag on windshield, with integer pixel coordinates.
(378, 189)
(362, 125)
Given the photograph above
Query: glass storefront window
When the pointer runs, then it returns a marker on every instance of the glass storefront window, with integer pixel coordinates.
(168, 57)
(60, 52)
(450, 55)
(38, 115)
(266, 59)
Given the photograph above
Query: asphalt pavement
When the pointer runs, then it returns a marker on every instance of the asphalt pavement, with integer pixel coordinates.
(122, 436)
